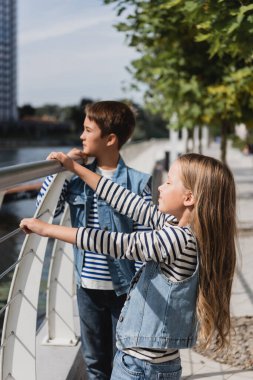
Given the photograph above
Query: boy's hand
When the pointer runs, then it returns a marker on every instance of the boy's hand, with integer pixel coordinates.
(29, 225)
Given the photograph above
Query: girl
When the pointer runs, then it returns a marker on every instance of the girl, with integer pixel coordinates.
(184, 288)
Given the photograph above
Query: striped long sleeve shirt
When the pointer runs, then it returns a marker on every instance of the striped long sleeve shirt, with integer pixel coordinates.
(175, 248)
(172, 246)
(95, 272)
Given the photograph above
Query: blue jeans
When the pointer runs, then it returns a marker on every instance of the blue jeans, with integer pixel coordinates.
(99, 311)
(126, 367)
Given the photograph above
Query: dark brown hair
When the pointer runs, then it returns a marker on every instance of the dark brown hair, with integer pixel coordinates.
(112, 117)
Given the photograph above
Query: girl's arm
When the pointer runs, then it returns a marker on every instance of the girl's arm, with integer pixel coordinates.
(61, 201)
(132, 205)
(74, 154)
(121, 199)
(164, 245)
(85, 174)
(67, 234)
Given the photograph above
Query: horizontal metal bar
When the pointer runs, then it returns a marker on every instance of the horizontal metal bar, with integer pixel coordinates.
(8, 270)
(17, 230)
(9, 235)
(14, 175)
(8, 303)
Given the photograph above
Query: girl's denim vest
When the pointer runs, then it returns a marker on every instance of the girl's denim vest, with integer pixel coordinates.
(80, 198)
(158, 313)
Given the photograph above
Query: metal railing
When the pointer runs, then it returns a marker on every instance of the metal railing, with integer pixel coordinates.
(16, 174)
(18, 344)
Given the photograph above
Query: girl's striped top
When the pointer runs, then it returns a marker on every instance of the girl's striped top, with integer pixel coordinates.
(174, 247)
(95, 272)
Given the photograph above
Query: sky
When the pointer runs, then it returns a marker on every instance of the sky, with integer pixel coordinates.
(69, 50)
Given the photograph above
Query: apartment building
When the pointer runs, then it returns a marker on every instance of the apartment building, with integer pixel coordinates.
(8, 60)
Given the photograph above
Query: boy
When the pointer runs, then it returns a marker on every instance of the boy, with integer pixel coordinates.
(102, 282)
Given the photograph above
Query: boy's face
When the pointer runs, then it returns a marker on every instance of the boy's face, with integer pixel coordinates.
(93, 143)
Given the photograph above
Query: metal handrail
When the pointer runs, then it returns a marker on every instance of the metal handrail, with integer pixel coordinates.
(20, 318)
(16, 231)
(14, 175)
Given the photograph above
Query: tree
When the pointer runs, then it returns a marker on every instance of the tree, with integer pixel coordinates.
(148, 125)
(26, 110)
(195, 58)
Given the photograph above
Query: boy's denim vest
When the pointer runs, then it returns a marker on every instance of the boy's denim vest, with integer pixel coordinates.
(158, 313)
(80, 198)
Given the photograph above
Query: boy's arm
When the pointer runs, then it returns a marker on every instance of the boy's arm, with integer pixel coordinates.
(61, 200)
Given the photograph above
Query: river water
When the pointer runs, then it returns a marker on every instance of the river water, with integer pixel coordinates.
(12, 212)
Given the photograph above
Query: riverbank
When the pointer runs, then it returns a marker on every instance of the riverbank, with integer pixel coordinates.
(6, 144)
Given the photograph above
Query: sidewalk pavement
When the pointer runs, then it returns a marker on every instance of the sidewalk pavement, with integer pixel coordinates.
(195, 366)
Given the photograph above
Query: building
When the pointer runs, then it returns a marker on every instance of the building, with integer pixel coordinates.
(8, 60)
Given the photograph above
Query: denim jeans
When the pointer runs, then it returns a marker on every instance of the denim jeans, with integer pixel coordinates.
(126, 367)
(99, 311)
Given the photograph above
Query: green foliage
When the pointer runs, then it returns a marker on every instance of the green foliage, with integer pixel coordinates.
(148, 124)
(26, 110)
(196, 58)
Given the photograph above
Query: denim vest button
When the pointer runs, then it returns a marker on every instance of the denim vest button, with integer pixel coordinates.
(121, 318)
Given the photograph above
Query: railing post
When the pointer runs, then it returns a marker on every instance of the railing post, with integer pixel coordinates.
(18, 354)
(174, 145)
(2, 194)
(60, 293)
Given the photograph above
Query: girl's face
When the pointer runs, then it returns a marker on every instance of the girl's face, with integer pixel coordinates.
(172, 194)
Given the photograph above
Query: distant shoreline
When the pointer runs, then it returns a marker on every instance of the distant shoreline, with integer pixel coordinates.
(12, 144)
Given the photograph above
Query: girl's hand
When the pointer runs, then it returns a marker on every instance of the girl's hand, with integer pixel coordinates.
(29, 225)
(67, 159)
(54, 231)
(63, 158)
(76, 154)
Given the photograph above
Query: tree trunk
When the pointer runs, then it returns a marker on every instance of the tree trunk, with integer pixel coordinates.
(189, 141)
(224, 134)
(200, 139)
(187, 149)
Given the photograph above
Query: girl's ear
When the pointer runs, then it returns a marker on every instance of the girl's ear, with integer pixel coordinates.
(112, 139)
(189, 199)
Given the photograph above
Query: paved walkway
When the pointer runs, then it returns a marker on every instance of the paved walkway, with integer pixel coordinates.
(195, 366)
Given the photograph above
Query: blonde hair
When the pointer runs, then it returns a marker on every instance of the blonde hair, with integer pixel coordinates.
(214, 225)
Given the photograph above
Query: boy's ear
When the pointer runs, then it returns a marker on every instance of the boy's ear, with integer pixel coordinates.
(189, 199)
(112, 139)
